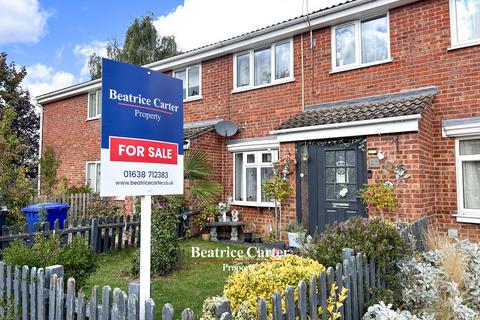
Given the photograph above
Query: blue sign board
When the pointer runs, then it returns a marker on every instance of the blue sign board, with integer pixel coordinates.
(142, 131)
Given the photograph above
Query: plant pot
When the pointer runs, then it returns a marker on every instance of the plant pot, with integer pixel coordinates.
(248, 237)
(295, 239)
(257, 240)
(206, 236)
(280, 245)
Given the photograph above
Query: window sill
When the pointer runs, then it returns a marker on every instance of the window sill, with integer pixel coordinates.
(93, 118)
(193, 99)
(468, 218)
(464, 45)
(253, 204)
(243, 89)
(366, 65)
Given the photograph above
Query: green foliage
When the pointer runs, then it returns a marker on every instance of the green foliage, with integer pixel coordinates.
(277, 188)
(166, 253)
(65, 189)
(103, 207)
(48, 172)
(77, 257)
(377, 239)
(15, 187)
(142, 45)
(295, 227)
(198, 170)
(207, 215)
(379, 196)
(26, 121)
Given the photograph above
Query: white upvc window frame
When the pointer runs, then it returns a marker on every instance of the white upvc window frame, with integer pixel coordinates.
(464, 214)
(186, 69)
(258, 164)
(251, 54)
(358, 44)
(98, 105)
(97, 168)
(455, 44)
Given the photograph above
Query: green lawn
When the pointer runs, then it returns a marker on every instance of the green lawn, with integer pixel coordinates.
(197, 278)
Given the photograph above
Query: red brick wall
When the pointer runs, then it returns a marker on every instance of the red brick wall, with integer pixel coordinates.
(74, 139)
(420, 36)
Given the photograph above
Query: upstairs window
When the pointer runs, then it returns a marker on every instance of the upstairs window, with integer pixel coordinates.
(465, 22)
(94, 109)
(361, 43)
(263, 66)
(191, 77)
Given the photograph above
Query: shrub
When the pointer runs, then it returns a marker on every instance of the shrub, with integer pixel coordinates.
(77, 257)
(262, 280)
(377, 239)
(443, 283)
(166, 252)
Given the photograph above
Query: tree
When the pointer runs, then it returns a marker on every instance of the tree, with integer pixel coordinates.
(48, 172)
(142, 45)
(26, 122)
(15, 186)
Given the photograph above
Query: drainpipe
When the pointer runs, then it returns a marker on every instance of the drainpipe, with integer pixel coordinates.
(39, 146)
(303, 76)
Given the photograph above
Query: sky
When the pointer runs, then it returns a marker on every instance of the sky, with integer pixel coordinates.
(53, 39)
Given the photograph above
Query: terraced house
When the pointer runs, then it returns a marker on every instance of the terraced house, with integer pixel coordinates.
(361, 92)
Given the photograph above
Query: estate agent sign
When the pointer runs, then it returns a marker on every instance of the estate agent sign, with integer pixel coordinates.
(142, 132)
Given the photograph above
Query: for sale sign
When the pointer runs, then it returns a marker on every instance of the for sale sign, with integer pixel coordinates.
(142, 132)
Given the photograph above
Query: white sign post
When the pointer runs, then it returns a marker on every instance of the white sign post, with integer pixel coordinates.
(142, 144)
(145, 251)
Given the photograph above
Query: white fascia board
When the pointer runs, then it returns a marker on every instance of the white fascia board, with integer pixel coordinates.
(253, 145)
(70, 91)
(325, 18)
(350, 129)
(462, 130)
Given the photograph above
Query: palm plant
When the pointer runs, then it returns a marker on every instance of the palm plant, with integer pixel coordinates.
(197, 171)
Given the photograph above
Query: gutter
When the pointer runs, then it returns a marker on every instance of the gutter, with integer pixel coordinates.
(346, 124)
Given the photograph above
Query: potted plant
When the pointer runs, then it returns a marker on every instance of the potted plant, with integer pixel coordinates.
(206, 216)
(273, 241)
(296, 235)
(248, 231)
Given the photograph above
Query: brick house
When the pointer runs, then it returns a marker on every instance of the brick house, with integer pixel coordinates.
(361, 92)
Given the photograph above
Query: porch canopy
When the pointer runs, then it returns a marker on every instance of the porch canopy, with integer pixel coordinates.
(388, 113)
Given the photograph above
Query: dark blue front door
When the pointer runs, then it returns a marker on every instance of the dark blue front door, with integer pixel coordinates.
(335, 173)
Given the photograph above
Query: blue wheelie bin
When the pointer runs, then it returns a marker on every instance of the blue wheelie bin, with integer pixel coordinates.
(53, 212)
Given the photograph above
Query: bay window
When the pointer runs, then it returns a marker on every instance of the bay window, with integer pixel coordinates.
(263, 66)
(251, 170)
(468, 176)
(92, 176)
(465, 22)
(361, 43)
(94, 108)
(191, 77)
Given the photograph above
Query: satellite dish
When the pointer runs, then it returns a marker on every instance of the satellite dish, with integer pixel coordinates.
(226, 128)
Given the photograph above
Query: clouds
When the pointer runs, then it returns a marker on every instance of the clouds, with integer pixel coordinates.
(41, 79)
(200, 22)
(21, 21)
(83, 52)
